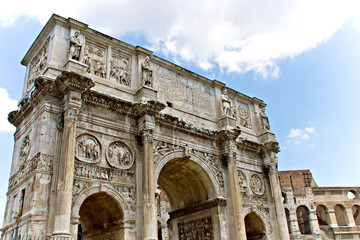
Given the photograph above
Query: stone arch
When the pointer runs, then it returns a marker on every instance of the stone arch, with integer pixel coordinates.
(179, 154)
(341, 216)
(356, 214)
(255, 226)
(354, 194)
(264, 219)
(303, 217)
(100, 188)
(287, 214)
(322, 214)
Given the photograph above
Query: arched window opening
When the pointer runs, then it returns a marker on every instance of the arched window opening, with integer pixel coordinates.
(284, 197)
(302, 213)
(322, 214)
(352, 195)
(341, 216)
(356, 214)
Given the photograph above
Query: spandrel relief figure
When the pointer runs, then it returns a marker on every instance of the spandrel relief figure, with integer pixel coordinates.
(264, 120)
(147, 73)
(226, 105)
(119, 155)
(75, 46)
(87, 148)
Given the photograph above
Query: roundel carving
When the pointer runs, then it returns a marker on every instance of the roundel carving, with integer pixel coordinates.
(242, 181)
(257, 184)
(88, 148)
(119, 156)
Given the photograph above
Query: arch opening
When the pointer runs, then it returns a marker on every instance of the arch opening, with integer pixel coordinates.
(322, 214)
(341, 216)
(356, 214)
(303, 216)
(255, 228)
(100, 217)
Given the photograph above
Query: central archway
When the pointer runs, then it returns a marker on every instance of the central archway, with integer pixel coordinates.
(100, 218)
(192, 198)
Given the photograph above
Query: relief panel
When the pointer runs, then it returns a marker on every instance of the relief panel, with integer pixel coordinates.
(120, 68)
(87, 149)
(95, 58)
(257, 184)
(119, 155)
(38, 63)
(243, 116)
(198, 229)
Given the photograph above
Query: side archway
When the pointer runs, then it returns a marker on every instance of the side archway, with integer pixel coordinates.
(303, 217)
(255, 227)
(263, 218)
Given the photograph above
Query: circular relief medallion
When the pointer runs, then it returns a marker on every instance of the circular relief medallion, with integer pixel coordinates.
(24, 150)
(87, 148)
(242, 181)
(118, 155)
(257, 184)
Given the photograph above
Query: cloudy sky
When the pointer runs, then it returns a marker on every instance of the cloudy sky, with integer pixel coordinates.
(301, 57)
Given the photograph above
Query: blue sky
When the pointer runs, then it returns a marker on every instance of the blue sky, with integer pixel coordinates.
(301, 59)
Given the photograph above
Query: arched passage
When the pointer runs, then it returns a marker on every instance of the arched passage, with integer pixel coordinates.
(356, 214)
(322, 214)
(341, 216)
(303, 216)
(255, 228)
(190, 192)
(101, 217)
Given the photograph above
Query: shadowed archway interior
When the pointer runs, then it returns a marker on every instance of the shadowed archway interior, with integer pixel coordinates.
(255, 229)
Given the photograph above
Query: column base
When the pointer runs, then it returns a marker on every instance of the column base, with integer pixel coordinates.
(56, 235)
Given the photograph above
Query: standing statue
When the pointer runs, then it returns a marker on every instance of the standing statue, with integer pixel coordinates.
(75, 46)
(264, 120)
(147, 72)
(226, 104)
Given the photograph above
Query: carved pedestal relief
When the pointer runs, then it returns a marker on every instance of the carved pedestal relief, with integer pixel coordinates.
(38, 63)
(88, 149)
(94, 57)
(119, 156)
(120, 68)
(257, 184)
(199, 229)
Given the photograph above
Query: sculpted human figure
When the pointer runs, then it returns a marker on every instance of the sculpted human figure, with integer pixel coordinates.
(147, 72)
(264, 120)
(75, 46)
(226, 104)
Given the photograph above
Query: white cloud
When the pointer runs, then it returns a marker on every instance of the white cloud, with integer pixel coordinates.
(7, 105)
(297, 136)
(234, 35)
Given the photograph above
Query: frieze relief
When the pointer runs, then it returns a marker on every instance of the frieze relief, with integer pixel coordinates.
(88, 171)
(41, 162)
(198, 229)
(257, 184)
(87, 149)
(94, 57)
(38, 63)
(119, 155)
(243, 115)
(120, 68)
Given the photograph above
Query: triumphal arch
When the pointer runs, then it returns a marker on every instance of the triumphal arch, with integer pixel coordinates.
(113, 142)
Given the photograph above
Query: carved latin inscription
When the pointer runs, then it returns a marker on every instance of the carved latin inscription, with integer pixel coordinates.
(194, 230)
(87, 148)
(256, 184)
(119, 156)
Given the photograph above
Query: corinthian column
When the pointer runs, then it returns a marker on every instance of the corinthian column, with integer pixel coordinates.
(148, 184)
(271, 165)
(71, 85)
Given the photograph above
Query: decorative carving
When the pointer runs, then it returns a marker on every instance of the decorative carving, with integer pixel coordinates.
(147, 72)
(244, 117)
(163, 147)
(242, 181)
(38, 63)
(94, 57)
(24, 150)
(129, 194)
(75, 46)
(84, 170)
(120, 68)
(264, 120)
(256, 184)
(87, 149)
(119, 156)
(254, 200)
(227, 108)
(199, 229)
(41, 162)
(147, 135)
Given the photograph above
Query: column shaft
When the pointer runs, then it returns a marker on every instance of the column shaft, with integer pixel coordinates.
(149, 202)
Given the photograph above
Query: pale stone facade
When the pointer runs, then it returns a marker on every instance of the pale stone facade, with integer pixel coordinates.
(319, 212)
(102, 123)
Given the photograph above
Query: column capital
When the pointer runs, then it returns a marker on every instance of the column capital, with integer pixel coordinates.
(147, 135)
